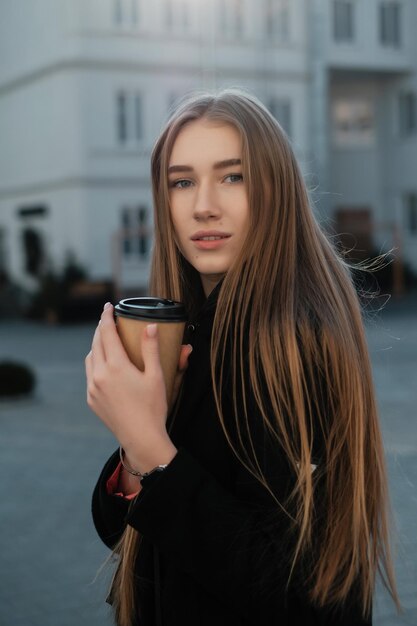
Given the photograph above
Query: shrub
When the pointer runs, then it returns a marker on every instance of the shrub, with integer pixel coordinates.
(50, 301)
(16, 379)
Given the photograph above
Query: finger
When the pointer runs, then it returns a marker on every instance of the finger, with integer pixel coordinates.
(97, 352)
(150, 349)
(112, 346)
(184, 356)
(88, 366)
(88, 372)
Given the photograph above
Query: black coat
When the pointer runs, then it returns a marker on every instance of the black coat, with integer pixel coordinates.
(215, 550)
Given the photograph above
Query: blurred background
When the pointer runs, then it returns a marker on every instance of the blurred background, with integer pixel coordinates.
(85, 86)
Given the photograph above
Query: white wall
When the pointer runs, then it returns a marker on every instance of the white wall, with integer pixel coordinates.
(102, 216)
(40, 132)
(366, 51)
(61, 68)
(63, 229)
(62, 64)
(379, 175)
(33, 37)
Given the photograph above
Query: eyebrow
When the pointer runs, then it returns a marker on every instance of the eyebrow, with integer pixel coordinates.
(219, 165)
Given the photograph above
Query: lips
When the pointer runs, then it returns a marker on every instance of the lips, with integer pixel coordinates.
(209, 235)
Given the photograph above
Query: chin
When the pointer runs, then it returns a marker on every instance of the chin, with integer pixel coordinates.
(212, 270)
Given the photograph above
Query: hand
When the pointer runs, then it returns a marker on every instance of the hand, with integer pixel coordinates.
(131, 403)
(182, 366)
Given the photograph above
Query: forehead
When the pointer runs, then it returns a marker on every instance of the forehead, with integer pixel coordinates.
(203, 141)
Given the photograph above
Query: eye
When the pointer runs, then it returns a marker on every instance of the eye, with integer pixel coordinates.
(234, 178)
(183, 184)
(180, 184)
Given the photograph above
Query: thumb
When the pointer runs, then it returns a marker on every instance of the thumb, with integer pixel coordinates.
(184, 354)
(150, 349)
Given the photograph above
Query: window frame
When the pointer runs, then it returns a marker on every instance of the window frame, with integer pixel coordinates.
(278, 29)
(232, 19)
(122, 117)
(126, 13)
(176, 16)
(390, 23)
(347, 129)
(136, 233)
(345, 20)
(407, 113)
(130, 118)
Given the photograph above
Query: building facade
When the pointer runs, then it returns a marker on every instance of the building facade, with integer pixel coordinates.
(371, 68)
(86, 85)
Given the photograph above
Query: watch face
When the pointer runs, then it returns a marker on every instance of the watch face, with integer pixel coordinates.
(148, 480)
(152, 474)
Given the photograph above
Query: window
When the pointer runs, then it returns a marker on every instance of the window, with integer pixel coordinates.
(118, 12)
(143, 234)
(136, 234)
(353, 123)
(122, 117)
(277, 19)
(134, 12)
(185, 17)
(138, 118)
(130, 123)
(126, 12)
(126, 238)
(407, 113)
(343, 20)
(169, 14)
(410, 209)
(231, 16)
(281, 110)
(177, 15)
(389, 23)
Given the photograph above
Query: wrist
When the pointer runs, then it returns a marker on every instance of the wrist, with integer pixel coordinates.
(144, 460)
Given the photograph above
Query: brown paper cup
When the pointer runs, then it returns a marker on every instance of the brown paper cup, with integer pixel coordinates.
(132, 317)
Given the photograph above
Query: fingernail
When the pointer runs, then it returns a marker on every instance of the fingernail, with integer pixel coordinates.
(190, 348)
(151, 330)
(106, 306)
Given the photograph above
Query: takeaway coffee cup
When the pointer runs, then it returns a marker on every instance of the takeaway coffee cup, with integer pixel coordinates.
(134, 314)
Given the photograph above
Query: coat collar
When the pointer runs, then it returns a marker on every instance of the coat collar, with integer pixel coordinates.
(211, 301)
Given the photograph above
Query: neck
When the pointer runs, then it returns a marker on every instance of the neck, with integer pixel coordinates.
(210, 282)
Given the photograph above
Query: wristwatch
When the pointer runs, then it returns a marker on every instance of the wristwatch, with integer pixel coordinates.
(149, 477)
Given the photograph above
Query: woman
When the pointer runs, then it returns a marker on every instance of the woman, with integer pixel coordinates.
(267, 503)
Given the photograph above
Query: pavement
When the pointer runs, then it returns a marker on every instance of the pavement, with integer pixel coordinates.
(52, 448)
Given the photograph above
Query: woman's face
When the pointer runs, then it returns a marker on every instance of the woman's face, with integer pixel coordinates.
(208, 197)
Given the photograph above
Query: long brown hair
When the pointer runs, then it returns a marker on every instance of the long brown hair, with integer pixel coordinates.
(306, 341)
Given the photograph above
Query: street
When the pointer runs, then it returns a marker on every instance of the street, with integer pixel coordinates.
(52, 448)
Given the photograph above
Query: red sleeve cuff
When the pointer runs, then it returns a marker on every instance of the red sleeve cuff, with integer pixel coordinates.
(112, 485)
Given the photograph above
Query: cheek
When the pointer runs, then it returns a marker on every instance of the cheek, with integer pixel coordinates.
(244, 220)
(179, 233)
(176, 222)
(181, 237)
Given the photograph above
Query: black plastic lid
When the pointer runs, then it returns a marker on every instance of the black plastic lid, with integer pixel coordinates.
(153, 309)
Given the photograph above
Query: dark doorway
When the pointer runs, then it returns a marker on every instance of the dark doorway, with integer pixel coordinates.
(354, 230)
(33, 250)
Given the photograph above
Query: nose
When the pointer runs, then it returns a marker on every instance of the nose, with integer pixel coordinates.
(206, 204)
